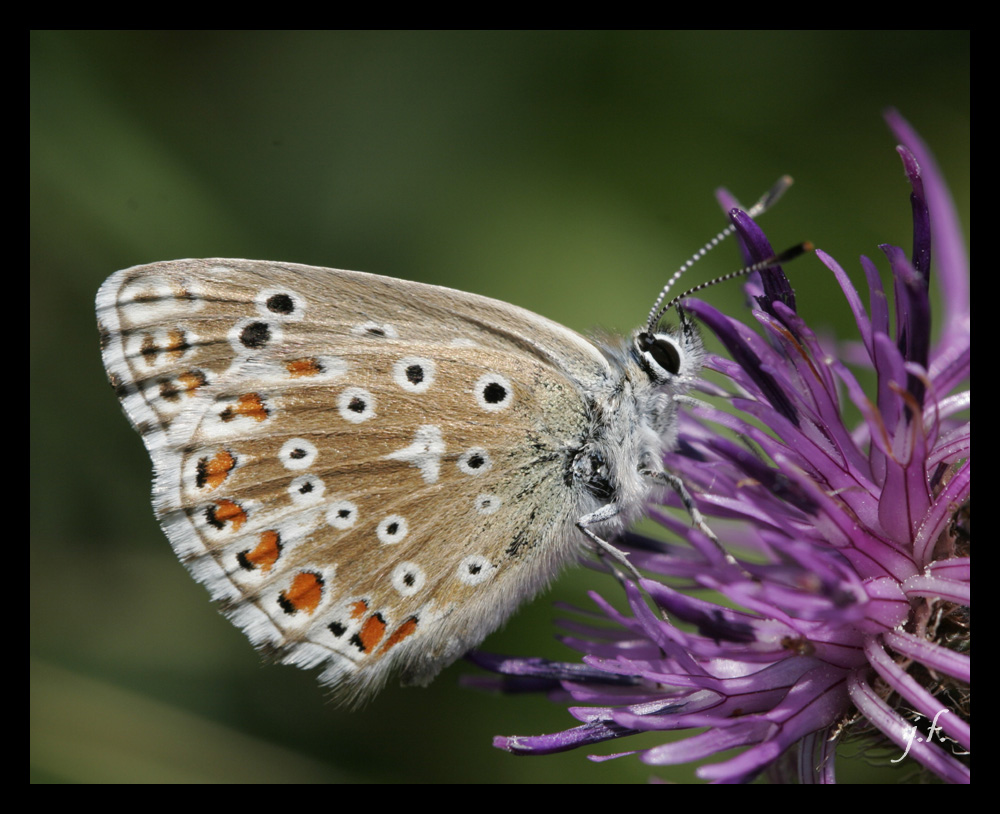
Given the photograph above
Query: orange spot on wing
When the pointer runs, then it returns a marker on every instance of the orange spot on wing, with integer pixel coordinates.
(304, 367)
(226, 511)
(184, 384)
(249, 405)
(264, 555)
(213, 471)
(191, 380)
(401, 632)
(359, 609)
(175, 346)
(371, 632)
(176, 343)
(304, 594)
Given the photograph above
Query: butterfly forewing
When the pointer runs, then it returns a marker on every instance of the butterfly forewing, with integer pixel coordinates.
(354, 465)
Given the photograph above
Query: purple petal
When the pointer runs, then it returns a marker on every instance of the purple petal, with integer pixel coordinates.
(773, 279)
(871, 705)
(952, 258)
(921, 258)
(915, 695)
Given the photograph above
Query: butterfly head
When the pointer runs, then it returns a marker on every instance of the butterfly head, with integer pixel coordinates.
(670, 357)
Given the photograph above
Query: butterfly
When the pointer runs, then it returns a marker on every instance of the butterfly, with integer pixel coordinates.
(369, 474)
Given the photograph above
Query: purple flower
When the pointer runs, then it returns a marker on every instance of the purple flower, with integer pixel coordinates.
(851, 618)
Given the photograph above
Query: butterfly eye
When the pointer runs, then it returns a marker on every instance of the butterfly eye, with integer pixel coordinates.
(661, 354)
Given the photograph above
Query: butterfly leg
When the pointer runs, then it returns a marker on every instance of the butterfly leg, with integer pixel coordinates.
(602, 514)
(677, 484)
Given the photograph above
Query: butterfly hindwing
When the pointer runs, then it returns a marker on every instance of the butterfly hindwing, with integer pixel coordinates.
(355, 466)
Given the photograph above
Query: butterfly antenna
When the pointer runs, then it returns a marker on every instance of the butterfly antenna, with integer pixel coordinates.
(767, 200)
(773, 260)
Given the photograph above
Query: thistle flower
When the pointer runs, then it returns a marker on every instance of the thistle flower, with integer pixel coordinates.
(850, 615)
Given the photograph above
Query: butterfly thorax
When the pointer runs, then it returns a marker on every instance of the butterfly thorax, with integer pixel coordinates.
(633, 419)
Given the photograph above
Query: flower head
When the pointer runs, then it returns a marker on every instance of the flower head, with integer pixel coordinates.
(850, 613)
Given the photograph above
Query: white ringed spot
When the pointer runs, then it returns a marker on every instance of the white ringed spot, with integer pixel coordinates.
(408, 578)
(392, 529)
(297, 453)
(254, 335)
(306, 490)
(342, 514)
(493, 392)
(374, 330)
(475, 569)
(280, 303)
(414, 374)
(356, 404)
(475, 461)
(487, 503)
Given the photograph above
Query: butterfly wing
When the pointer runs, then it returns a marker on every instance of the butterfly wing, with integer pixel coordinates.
(368, 473)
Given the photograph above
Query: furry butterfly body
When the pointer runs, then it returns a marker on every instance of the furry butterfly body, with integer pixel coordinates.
(371, 474)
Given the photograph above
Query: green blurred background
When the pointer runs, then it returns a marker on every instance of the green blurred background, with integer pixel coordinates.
(569, 172)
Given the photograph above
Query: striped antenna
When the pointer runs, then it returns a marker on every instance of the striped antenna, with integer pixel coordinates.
(773, 260)
(767, 200)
